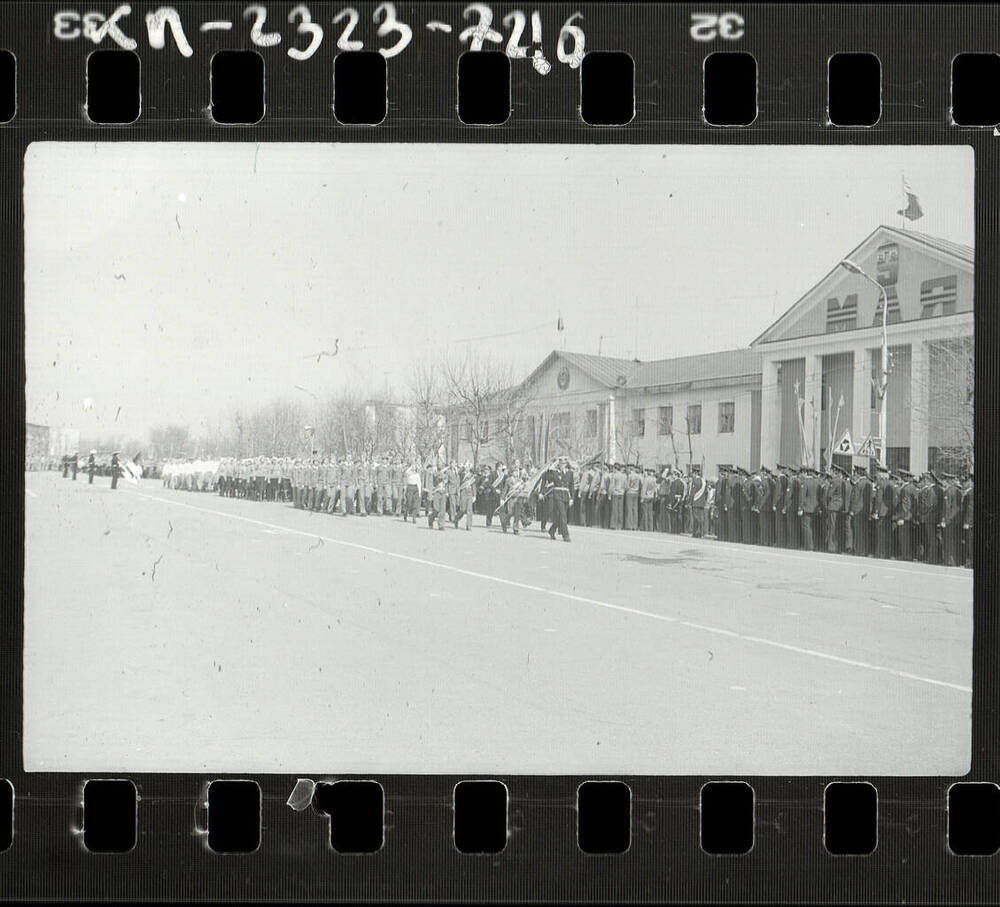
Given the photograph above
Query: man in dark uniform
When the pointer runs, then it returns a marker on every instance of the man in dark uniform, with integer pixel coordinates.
(928, 513)
(951, 521)
(808, 507)
(734, 529)
(883, 504)
(115, 469)
(793, 523)
(765, 508)
(858, 510)
(778, 507)
(835, 499)
(748, 519)
(903, 517)
(91, 466)
(721, 491)
(559, 493)
(967, 512)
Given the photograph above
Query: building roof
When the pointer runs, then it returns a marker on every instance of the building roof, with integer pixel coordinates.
(956, 250)
(966, 253)
(613, 372)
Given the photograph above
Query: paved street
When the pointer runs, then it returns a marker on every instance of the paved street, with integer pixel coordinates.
(172, 631)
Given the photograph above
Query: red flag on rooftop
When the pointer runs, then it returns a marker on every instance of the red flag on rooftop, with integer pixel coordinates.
(912, 211)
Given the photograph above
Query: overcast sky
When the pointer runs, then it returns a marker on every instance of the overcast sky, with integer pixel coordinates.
(174, 283)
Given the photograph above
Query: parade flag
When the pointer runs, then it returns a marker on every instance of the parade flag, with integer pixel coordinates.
(132, 470)
(912, 211)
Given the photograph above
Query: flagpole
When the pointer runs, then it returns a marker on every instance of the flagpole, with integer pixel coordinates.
(902, 217)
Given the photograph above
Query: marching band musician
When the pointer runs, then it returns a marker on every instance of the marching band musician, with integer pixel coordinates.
(466, 498)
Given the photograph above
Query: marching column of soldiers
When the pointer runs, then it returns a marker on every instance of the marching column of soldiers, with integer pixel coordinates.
(891, 515)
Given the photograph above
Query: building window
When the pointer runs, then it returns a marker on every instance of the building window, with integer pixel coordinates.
(591, 423)
(666, 421)
(694, 418)
(639, 422)
(727, 418)
(559, 433)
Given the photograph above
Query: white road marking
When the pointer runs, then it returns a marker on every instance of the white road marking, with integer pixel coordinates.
(29, 491)
(719, 631)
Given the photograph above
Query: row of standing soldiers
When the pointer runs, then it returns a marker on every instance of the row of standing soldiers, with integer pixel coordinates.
(629, 497)
(893, 515)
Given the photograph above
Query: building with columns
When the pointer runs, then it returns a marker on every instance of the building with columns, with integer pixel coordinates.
(821, 359)
(788, 397)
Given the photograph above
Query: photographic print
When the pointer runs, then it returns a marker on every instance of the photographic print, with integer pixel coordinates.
(534, 459)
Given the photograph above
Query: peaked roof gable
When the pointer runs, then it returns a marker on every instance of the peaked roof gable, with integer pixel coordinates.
(612, 372)
(961, 256)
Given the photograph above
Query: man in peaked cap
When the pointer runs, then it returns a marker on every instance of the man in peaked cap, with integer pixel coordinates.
(883, 504)
(967, 492)
(619, 483)
(790, 507)
(903, 516)
(779, 482)
(808, 507)
(927, 516)
(647, 501)
(856, 519)
(951, 520)
(560, 493)
(835, 501)
(633, 489)
(699, 503)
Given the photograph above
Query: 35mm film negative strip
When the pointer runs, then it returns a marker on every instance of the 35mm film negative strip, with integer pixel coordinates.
(489, 453)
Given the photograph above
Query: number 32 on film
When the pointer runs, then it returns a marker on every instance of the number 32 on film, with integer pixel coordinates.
(709, 26)
(382, 31)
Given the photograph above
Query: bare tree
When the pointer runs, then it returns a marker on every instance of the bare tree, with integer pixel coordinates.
(510, 406)
(626, 433)
(950, 395)
(167, 441)
(426, 396)
(473, 385)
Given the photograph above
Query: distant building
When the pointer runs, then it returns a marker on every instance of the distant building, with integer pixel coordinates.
(701, 410)
(64, 441)
(36, 441)
(742, 407)
(827, 346)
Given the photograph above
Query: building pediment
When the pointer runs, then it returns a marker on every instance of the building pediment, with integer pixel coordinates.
(922, 278)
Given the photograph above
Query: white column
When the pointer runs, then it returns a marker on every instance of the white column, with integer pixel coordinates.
(813, 420)
(770, 415)
(919, 405)
(612, 433)
(861, 395)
